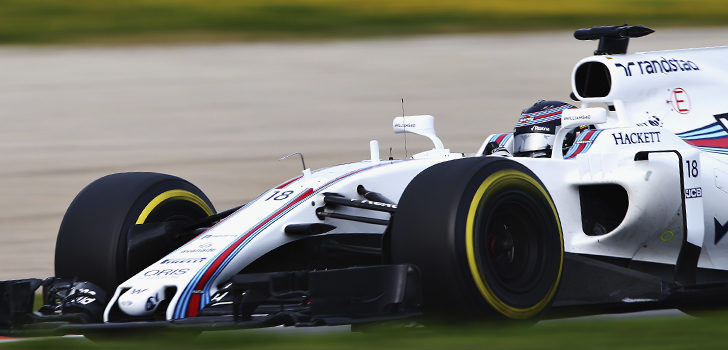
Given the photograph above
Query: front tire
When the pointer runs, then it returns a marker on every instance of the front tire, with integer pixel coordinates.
(92, 240)
(486, 236)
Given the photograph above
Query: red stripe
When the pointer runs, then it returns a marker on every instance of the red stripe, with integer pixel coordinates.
(194, 305)
(583, 143)
(288, 182)
(548, 115)
(500, 138)
(578, 150)
(721, 142)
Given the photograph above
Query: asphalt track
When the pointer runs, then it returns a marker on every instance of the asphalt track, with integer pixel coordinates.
(221, 115)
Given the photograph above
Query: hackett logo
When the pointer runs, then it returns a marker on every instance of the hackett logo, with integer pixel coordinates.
(636, 137)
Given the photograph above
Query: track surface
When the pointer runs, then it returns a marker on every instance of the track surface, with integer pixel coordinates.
(221, 115)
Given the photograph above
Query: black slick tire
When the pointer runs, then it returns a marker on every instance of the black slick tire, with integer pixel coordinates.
(92, 239)
(486, 236)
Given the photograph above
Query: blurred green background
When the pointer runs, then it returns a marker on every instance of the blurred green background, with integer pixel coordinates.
(102, 21)
(625, 334)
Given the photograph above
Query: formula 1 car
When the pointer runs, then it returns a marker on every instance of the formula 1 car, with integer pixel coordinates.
(613, 206)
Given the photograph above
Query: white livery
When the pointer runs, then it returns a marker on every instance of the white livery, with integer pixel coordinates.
(625, 206)
(666, 102)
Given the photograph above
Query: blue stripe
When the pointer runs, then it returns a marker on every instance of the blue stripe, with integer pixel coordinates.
(505, 140)
(588, 145)
(714, 149)
(207, 265)
(708, 129)
(205, 296)
(705, 135)
(548, 111)
(539, 121)
(181, 307)
(186, 294)
(581, 140)
(715, 135)
(190, 287)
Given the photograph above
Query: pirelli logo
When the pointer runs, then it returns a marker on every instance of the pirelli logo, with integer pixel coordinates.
(182, 261)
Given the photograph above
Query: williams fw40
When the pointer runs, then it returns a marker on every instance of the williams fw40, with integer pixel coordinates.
(615, 205)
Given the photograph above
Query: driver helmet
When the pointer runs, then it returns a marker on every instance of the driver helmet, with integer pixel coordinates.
(536, 129)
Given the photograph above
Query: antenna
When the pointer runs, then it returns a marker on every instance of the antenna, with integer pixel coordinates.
(404, 127)
(296, 154)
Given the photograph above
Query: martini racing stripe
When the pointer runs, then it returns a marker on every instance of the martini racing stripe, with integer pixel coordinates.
(701, 132)
(196, 294)
(714, 142)
(715, 150)
(186, 292)
(199, 287)
(216, 272)
(542, 116)
(546, 118)
(582, 144)
(206, 291)
(714, 134)
(710, 138)
(501, 139)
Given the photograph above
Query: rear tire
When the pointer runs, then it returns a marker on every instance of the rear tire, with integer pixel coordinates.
(486, 236)
(92, 240)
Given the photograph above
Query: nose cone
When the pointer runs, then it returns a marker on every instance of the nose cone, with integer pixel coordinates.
(141, 301)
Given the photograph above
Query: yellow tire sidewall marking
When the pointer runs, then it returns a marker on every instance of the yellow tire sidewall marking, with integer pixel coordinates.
(494, 182)
(172, 195)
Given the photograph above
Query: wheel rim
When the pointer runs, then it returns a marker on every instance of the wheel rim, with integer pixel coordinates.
(513, 243)
(510, 247)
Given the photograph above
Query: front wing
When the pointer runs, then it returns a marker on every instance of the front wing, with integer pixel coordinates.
(590, 285)
(299, 298)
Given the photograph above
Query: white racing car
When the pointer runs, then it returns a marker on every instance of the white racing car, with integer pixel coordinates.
(616, 205)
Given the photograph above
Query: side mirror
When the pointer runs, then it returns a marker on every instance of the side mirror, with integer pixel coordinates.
(423, 125)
